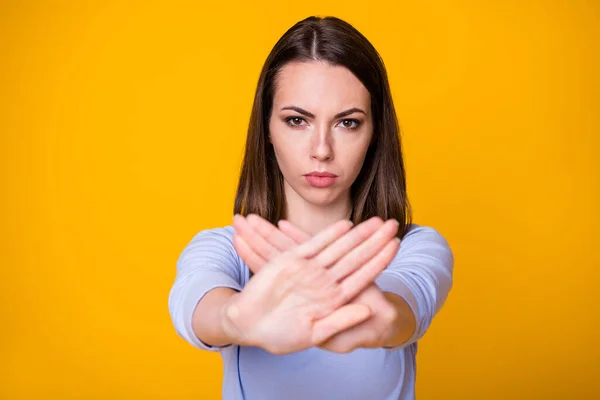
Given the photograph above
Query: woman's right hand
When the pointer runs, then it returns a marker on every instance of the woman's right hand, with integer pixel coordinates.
(299, 299)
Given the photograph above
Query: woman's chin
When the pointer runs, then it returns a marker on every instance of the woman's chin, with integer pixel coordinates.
(322, 197)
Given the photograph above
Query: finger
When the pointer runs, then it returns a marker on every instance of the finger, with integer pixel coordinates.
(358, 256)
(246, 253)
(339, 320)
(317, 243)
(270, 233)
(345, 244)
(293, 232)
(253, 239)
(355, 283)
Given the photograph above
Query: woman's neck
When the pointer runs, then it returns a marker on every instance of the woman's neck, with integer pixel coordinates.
(313, 218)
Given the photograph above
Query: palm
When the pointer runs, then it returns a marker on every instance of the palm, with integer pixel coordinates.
(289, 323)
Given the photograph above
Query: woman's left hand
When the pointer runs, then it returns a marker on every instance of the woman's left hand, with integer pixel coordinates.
(372, 333)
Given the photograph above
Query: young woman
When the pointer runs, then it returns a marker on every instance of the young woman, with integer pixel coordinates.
(310, 294)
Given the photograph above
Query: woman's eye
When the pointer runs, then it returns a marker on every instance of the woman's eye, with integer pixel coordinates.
(350, 123)
(294, 121)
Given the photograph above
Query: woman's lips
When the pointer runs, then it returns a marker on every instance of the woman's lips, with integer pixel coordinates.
(320, 180)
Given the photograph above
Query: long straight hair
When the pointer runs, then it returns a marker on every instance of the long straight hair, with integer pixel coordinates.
(380, 188)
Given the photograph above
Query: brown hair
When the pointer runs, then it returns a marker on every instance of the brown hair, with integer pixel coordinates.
(380, 188)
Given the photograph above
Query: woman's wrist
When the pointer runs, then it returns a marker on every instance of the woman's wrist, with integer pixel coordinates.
(230, 316)
(404, 324)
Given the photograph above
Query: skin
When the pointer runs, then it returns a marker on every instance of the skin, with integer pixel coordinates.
(301, 297)
(305, 144)
(317, 287)
(385, 326)
(324, 142)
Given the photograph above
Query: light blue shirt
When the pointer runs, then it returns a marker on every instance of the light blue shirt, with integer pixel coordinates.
(421, 272)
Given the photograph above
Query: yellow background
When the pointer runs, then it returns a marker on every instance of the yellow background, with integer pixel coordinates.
(122, 129)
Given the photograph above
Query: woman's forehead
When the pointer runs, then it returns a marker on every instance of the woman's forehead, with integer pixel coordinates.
(319, 86)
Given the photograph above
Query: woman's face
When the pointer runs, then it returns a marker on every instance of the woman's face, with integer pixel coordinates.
(321, 125)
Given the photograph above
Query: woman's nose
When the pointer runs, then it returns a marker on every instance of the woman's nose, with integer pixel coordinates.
(321, 147)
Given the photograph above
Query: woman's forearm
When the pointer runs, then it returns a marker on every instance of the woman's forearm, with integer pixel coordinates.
(207, 319)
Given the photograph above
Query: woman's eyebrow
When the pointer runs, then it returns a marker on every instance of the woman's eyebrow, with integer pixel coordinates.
(348, 112)
(299, 110)
(311, 115)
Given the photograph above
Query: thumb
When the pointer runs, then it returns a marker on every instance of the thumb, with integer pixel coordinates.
(341, 319)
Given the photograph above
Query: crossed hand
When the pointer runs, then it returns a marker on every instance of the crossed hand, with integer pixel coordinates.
(312, 291)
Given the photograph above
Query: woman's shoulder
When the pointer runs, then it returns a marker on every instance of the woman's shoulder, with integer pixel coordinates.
(221, 234)
(422, 237)
(425, 240)
(212, 240)
(423, 232)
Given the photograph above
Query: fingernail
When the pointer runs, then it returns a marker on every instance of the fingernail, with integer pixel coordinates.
(236, 216)
(396, 222)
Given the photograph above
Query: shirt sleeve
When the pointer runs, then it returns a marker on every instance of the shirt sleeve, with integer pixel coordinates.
(207, 262)
(421, 273)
